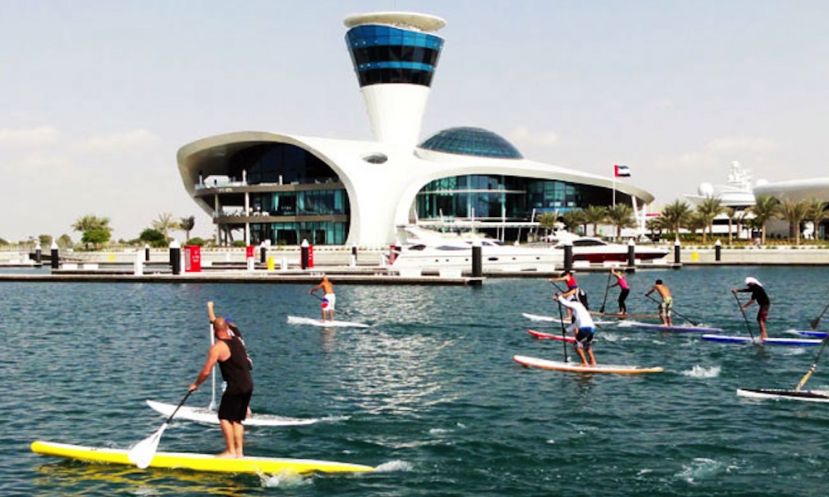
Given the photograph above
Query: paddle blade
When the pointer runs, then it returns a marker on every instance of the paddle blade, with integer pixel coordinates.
(813, 323)
(804, 380)
(143, 452)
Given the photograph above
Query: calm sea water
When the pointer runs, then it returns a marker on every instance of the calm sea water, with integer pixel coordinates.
(429, 391)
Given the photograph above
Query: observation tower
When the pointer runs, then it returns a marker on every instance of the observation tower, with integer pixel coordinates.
(395, 55)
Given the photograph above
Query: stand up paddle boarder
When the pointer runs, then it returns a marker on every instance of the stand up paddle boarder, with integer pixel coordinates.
(582, 328)
(667, 304)
(624, 290)
(759, 295)
(229, 351)
(329, 300)
(573, 291)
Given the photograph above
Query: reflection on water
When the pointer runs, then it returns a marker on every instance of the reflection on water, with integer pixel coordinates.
(70, 478)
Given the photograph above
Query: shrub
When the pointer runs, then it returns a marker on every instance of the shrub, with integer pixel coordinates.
(196, 241)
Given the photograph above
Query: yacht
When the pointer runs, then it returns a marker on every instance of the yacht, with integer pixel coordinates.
(431, 251)
(597, 251)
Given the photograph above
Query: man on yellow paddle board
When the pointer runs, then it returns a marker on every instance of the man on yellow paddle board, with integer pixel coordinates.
(229, 351)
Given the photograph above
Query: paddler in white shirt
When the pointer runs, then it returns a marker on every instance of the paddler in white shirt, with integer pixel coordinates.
(582, 328)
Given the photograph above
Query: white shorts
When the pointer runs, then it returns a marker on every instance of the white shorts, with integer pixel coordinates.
(332, 301)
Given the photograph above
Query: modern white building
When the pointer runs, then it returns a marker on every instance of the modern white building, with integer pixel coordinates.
(796, 190)
(285, 188)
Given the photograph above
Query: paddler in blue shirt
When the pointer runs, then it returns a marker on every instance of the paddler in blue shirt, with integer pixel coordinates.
(582, 328)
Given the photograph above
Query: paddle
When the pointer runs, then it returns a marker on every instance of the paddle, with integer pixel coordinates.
(743, 311)
(813, 368)
(606, 289)
(143, 452)
(686, 318)
(813, 323)
(563, 331)
(212, 405)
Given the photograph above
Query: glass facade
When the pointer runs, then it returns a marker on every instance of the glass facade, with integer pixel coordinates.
(316, 232)
(310, 194)
(471, 141)
(279, 163)
(301, 203)
(512, 197)
(386, 54)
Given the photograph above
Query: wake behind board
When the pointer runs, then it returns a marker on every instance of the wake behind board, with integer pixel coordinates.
(199, 462)
(325, 324)
(786, 342)
(550, 336)
(207, 416)
(779, 394)
(556, 319)
(672, 329)
(572, 367)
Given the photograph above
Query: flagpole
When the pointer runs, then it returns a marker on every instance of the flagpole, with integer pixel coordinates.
(614, 186)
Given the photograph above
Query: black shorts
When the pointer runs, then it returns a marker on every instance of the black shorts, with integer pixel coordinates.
(584, 339)
(234, 407)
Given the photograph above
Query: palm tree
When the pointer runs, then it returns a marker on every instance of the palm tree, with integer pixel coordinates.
(547, 220)
(708, 210)
(91, 222)
(573, 219)
(794, 212)
(595, 214)
(186, 224)
(675, 215)
(165, 223)
(621, 216)
(694, 223)
(655, 225)
(765, 209)
(816, 214)
(731, 212)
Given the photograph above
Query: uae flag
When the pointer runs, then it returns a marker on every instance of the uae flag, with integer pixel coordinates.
(621, 171)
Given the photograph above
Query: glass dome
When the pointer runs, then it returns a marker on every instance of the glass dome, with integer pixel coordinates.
(471, 141)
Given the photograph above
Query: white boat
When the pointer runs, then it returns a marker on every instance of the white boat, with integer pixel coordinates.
(598, 251)
(442, 254)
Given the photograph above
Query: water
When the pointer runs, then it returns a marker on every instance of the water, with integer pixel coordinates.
(428, 392)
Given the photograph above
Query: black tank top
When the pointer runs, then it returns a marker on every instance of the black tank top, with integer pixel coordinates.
(236, 369)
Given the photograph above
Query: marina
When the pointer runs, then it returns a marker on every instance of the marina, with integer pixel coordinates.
(429, 385)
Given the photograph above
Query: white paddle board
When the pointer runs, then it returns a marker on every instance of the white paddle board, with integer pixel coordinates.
(575, 367)
(673, 329)
(556, 319)
(790, 342)
(207, 416)
(324, 324)
(778, 394)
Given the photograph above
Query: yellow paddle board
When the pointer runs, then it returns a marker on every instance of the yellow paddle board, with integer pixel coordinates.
(199, 462)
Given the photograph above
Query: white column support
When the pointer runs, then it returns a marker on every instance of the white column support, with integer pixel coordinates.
(247, 214)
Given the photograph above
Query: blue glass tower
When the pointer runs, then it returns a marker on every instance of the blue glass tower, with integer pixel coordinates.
(394, 55)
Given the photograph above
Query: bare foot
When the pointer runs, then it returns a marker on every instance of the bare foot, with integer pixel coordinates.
(226, 455)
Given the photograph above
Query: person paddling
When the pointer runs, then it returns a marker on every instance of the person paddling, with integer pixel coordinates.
(759, 295)
(229, 351)
(573, 291)
(582, 328)
(624, 290)
(329, 300)
(667, 304)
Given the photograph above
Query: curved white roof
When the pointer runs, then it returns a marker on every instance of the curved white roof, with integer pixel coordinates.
(374, 215)
(798, 189)
(421, 22)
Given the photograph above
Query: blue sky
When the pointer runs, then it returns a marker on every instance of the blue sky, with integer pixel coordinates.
(98, 96)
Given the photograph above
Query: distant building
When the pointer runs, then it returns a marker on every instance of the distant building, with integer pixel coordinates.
(286, 188)
(800, 189)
